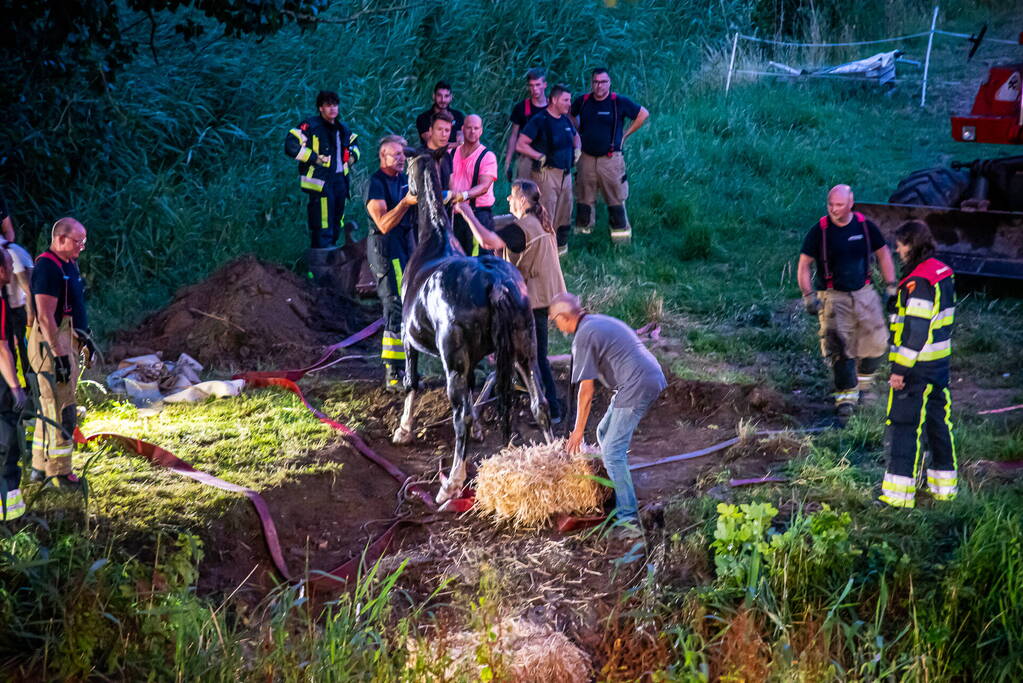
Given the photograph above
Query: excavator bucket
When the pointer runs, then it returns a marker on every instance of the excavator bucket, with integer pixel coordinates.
(980, 243)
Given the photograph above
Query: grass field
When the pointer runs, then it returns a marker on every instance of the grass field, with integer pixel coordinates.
(723, 189)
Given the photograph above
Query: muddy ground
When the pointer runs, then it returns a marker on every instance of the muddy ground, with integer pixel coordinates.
(570, 580)
(254, 315)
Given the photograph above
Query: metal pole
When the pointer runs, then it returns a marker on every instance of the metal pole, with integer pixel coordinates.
(731, 62)
(927, 60)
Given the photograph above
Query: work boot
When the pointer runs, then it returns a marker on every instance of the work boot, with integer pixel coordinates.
(583, 219)
(393, 378)
(621, 231)
(15, 506)
(844, 411)
(37, 476)
(64, 482)
(562, 234)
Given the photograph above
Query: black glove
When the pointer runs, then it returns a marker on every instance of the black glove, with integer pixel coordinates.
(891, 301)
(538, 163)
(18, 399)
(812, 303)
(62, 369)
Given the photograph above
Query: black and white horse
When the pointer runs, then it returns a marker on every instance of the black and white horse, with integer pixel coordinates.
(462, 309)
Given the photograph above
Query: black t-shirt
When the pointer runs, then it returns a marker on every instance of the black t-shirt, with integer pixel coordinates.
(601, 121)
(514, 237)
(63, 282)
(553, 137)
(518, 113)
(391, 189)
(423, 123)
(848, 255)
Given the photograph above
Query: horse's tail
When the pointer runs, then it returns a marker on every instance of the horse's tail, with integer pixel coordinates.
(506, 307)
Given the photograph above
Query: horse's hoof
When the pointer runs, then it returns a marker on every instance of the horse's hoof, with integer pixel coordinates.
(401, 437)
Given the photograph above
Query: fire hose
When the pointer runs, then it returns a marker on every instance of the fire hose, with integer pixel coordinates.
(339, 576)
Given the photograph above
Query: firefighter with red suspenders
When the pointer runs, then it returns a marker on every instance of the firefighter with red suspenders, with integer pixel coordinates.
(60, 331)
(853, 334)
(522, 112)
(600, 117)
(919, 403)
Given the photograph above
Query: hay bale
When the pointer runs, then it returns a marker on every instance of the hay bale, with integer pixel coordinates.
(513, 650)
(527, 485)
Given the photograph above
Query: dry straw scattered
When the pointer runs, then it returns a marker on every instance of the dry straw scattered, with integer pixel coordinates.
(528, 485)
(513, 650)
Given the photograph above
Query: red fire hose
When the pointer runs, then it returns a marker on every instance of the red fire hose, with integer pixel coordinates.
(337, 577)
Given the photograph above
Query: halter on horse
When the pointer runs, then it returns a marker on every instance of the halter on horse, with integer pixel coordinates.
(462, 309)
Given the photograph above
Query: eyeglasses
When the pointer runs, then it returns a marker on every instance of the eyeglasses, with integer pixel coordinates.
(79, 243)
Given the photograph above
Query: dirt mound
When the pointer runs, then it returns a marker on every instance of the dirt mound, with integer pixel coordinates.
(247, 313)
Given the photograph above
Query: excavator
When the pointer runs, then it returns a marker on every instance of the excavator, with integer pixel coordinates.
(974, 208)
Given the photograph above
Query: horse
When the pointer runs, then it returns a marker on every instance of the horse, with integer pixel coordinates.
(462, 309)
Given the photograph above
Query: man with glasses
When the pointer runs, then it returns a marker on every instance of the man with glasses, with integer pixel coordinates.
(600, 117)
(388, 247)
(60, 330)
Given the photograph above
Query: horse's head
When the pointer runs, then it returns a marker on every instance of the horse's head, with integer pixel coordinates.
(424, 184)
(423, 176)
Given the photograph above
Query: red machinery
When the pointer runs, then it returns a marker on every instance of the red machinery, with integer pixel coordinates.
(974, 209)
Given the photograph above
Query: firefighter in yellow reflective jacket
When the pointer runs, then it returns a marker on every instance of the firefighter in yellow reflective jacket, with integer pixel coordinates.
(325, 149)
(919, 402)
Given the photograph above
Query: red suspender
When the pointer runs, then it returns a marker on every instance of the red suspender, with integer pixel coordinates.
(828, 278)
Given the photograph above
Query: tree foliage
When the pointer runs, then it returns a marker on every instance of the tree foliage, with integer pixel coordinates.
(59, 61)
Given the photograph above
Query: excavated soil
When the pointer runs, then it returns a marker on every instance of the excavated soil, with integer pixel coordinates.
(326, 521)
(248, 314)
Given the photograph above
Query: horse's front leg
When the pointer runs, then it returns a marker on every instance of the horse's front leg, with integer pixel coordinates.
(404, 433)
(461, 410)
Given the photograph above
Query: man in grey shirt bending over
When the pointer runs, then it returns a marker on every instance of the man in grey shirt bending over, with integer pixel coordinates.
(607, 349)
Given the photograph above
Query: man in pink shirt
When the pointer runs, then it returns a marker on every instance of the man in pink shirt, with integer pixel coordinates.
(474, 170)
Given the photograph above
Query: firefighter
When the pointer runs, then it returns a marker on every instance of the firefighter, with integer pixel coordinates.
(552, 144)
(59, 332)
(921, 316)
(522, 112)
(325, 149)
(388, 247)
(12, 401)
(600, 117)
(852, 331)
